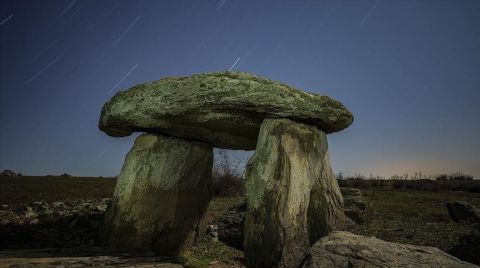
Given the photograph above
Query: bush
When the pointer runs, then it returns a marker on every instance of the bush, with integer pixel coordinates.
(459, 176)
(442, 177)
(227, 178)
(420, 182)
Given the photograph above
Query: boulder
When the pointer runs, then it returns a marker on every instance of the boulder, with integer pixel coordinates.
(230, 225)
(354, 205)
(469, 247)
(463, 212)
(223, 109)
(343, 249)
(161, 195)
(292, 195)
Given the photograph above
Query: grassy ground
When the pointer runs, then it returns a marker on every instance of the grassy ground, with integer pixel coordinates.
(414, 217)
(26, 189)
(206, 251)
(397, 215)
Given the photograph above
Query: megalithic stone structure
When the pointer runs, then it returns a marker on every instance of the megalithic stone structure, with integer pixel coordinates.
(164, 185)
(293, 198)
(161, 194)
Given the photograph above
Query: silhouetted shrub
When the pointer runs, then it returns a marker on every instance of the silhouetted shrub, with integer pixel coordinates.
(442, 177)
(458, 176)
(474, 189)
(453, 182)
(227, 178)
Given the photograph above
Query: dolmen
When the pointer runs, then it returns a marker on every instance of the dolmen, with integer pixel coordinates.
(165, 184)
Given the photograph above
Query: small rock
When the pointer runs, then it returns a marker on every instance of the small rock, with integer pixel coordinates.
(212, 232)
(30, 213)
(58, 204)
(101, 208)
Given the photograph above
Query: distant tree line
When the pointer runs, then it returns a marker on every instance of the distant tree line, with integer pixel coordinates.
(457, 181)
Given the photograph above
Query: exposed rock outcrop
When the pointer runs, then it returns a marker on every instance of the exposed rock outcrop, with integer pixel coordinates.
(292, 196)
(38, 224)
(469, 247)
(223, 109)
(463, 212)
(161, 194)
(231, 224)
(354, 204)
(343, 249)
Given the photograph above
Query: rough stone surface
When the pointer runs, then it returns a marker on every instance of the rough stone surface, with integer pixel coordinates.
(354, 205)
(45, 258)
(292, 196)
(463, 212)
(68, 224)
(224, 109)
(469, 247)
(343, 249)
(231, 224)
(161, 194)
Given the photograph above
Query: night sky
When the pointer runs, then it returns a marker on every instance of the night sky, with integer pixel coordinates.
(409, 70)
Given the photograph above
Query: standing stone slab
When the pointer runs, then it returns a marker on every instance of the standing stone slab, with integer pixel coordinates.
(292, 196)
(161, 194)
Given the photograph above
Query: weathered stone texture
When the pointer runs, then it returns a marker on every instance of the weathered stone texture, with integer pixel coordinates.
(223, 109)
(161, 194)
(292, 196)
(343, 249)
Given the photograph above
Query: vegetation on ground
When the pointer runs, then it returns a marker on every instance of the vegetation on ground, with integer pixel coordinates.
(399, 215)
(445, 182)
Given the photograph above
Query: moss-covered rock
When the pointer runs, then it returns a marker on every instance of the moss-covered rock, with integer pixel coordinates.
(161, 194)
(292, 196)
(343, 249)
(224, 109)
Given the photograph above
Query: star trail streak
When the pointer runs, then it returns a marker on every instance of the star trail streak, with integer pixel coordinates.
(43, 69)
(5, 20)
(123, 78)
(127, 30)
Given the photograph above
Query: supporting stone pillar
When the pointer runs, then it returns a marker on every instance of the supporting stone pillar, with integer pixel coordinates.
(293, 198)
(161, 194)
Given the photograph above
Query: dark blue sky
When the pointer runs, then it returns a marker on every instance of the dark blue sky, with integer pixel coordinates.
(409, 70)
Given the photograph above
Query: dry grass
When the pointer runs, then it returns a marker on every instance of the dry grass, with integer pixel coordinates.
(397, 215)
(26, 189)
(414, 217)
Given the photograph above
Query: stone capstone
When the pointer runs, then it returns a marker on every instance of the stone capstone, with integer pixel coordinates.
(223, 109)
(162, 192)
(292, 196)
(343, 249)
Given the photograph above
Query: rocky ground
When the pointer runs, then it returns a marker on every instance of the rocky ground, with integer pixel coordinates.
(62, 233)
